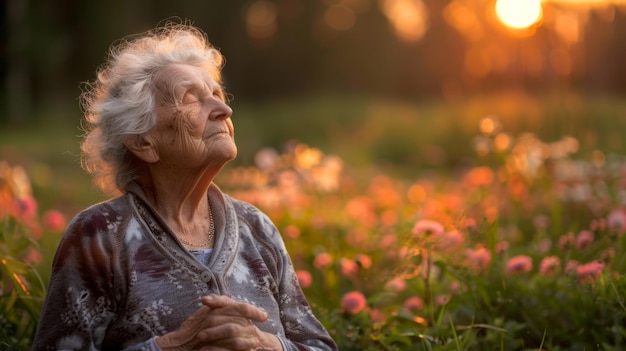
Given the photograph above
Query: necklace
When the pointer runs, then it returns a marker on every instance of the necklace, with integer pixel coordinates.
(211, 234)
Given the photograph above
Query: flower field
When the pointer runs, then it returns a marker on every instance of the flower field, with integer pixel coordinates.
(525, 254)
(520, 248)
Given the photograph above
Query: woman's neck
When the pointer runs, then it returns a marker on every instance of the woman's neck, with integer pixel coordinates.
(180, 198)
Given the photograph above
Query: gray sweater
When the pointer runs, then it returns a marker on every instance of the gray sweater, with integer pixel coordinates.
(121, 277)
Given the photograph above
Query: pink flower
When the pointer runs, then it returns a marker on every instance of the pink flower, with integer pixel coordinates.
(414, 303)
(519, 264)
(353, 302)
(442, 299)
(356, 237)
(304, 278)
(608, 254)
(362, 210)
(455, 287)
(396, 284)
(363, 260)
(389, 218)
(54, 221)
(348, 267)
(584, 238)
(318, 222)
(617, 220)
(388, 240)
(428, 228)
(544, 245)
(33, 256)
(571, 266)
(478, 259)
(598, 225)
(479, 176)
(35, 230)
(566, 241)
(266, 158)
(451, 240)
(26, 208)
(541, 221)
(501, 247)
(549, 265)
(590, 272)
(377, 316)
(470, 223)
(322, 260)
(292, 231)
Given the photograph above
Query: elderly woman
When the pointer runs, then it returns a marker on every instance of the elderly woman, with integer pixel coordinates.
(171, 262)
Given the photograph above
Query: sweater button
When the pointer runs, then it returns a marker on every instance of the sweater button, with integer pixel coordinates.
(205, 276)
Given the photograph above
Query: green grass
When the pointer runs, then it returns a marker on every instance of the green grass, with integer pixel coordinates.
(50, 154)
(402, 136)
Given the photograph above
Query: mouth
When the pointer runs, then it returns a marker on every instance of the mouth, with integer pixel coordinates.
(218, 133)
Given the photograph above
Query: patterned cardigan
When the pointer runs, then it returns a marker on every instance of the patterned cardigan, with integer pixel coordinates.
(121, 277)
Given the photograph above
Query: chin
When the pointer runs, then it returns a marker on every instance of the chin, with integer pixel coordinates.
(226, 149)
(230, 153)
(233, 155)
(233, 150)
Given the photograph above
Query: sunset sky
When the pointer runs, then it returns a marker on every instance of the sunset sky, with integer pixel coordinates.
(525, 13)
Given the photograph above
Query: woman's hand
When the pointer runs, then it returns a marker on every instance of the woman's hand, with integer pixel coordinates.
(221, 324)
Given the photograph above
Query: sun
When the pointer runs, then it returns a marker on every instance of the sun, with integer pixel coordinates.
(519, 14)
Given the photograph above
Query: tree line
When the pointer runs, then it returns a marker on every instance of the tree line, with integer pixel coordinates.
(285, 47)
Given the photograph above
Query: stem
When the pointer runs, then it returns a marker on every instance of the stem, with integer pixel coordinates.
(426, 279)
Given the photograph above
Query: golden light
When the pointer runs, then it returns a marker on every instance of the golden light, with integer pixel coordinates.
(519, 14)
(417, 193)
(261, 19)
(409, 18)
(502, 142)
(462, 17)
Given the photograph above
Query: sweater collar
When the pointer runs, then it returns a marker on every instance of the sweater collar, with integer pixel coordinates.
(226, 228)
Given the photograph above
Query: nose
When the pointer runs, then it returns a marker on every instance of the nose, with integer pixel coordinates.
(220, 111)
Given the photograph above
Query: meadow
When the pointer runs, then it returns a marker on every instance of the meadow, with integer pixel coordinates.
(489, 223)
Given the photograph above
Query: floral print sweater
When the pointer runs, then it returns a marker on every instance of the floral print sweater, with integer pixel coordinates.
(120, 277)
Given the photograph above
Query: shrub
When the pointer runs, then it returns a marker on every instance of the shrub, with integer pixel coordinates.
(22, 289)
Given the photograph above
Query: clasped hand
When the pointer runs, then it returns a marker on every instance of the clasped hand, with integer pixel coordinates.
(221, 324)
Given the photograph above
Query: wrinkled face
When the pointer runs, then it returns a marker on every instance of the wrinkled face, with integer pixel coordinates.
(193, 129)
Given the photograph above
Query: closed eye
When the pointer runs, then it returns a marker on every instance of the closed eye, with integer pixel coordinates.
(190, 98)
(195, 95)
(219, 94)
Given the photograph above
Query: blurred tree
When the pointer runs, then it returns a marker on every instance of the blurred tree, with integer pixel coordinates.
(16, 87)
(275, 48)
(4, 60)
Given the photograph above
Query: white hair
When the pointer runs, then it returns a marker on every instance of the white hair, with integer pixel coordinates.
(122, 99)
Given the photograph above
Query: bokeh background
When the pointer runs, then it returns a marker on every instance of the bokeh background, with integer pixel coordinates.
(393, 84)
(365, 128)
(410, 49)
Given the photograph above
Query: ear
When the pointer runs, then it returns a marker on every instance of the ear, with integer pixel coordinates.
(143, 147)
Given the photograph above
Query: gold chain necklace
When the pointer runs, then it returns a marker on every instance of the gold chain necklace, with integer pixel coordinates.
(211, 234)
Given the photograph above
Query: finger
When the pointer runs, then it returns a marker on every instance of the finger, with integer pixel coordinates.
(231, 336)
(217, 301)
(243, 310)
(228, 307)
(197, 319)
(216, 319)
